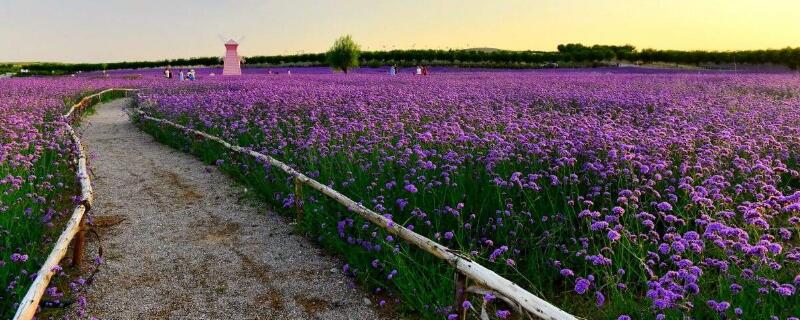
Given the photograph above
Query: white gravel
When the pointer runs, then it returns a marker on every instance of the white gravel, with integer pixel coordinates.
(179, 244)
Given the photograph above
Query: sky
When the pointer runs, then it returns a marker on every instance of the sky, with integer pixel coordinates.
(116, 30)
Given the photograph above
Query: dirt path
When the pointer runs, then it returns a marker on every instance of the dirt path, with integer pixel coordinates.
(179, 245)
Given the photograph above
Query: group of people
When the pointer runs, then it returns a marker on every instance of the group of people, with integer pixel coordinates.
(189, 75)
(421, 70)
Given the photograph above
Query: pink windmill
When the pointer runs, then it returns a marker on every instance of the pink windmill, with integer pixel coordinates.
(231, 63)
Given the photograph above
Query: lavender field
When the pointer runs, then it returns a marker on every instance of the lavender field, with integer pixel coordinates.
(633, 194)
(612, 195)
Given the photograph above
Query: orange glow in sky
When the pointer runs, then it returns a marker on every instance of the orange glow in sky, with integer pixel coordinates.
(115, 30)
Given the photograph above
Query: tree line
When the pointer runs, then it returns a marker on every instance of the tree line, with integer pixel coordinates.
(573, 54)
(47, 68)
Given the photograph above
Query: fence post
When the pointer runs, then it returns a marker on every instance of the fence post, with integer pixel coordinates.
(298, 199)
(78, 243)
(460, 295)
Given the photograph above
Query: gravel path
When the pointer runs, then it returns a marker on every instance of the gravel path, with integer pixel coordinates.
(179, 244)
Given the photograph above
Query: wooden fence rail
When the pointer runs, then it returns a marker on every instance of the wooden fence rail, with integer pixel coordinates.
(486, 281)
(75, 226)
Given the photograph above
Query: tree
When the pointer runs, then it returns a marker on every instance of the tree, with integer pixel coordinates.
(344, 54)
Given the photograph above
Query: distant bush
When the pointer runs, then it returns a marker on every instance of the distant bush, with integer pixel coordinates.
(344, 54)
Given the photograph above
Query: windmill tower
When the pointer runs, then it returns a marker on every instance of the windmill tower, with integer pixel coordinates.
(231, 63)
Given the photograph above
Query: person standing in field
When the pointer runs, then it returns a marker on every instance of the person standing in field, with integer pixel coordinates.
(181, 75)
(419, 70)
(424, 70)
(392, 70)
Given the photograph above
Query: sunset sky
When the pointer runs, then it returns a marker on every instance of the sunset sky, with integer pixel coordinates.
(115, 30)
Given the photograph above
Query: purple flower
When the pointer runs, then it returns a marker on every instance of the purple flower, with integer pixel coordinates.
(567, 273)
(582, 285)
(785, 290)
(411, 188)
(448, 235)
(19, 258)
(600, 299)
(503, 314)
(665, 206)
(402, 203)
(497, 252)
(718, 306)
(599, 225)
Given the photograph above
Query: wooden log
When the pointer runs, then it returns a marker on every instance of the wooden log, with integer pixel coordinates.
(79, 243)
(30, 303)
(520, 298)
(298, 200)
(460, 290)
(81, 104)
(476, 289)
(87, 194)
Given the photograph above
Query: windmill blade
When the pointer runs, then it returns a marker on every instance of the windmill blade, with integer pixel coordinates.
(241, 39)
(221, 38)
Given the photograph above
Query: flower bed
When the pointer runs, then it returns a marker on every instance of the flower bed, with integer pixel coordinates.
(642, 195)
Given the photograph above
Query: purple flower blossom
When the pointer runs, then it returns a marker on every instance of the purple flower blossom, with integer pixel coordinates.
(665, 206)
(19, 258)
(600, 299)
(613, 235)
(503, 314)
(582, 285)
